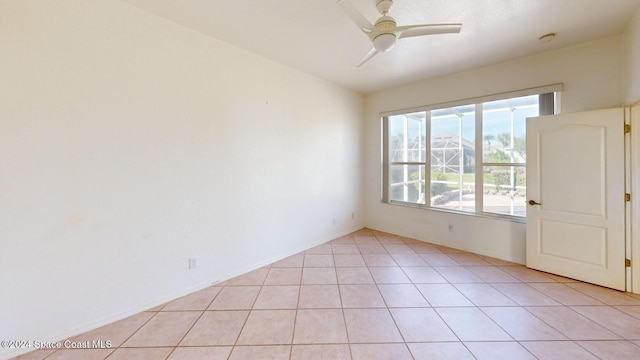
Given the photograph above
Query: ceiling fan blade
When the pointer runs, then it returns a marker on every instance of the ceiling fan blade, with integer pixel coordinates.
(427, 29)
(356, 16)
(367, 57)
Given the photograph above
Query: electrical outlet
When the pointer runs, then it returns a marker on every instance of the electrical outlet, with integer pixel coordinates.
(353, 215)
(334, 222)
(193, 263)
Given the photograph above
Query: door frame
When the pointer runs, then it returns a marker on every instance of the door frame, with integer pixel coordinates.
(632, 146)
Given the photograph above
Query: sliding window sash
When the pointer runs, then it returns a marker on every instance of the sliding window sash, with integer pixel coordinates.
(479, 174)
(386, 182)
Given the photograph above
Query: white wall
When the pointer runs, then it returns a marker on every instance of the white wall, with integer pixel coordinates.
(129, 144)
(592, 77)
(631, 38)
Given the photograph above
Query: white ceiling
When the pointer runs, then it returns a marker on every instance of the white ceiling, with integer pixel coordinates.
(317, 37)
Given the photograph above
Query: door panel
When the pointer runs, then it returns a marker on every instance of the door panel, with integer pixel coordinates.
(584, 173)
(591, 240)
(575, 171)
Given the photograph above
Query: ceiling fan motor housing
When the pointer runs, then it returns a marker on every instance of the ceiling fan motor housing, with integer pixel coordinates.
(386, 23)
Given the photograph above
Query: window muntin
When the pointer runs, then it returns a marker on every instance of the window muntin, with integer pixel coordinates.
(489, 136)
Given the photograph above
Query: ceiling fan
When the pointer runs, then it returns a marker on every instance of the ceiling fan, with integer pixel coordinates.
(384, 32)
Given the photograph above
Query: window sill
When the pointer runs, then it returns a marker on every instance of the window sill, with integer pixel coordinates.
(515, 219)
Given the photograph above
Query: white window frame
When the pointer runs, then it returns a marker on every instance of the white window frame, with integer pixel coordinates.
(546, 108)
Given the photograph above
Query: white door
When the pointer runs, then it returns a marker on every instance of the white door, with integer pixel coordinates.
(575, 190)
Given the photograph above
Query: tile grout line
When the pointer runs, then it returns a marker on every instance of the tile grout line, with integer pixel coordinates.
(344, 317)
(295, 317)
(192, 325)
(404, 340)
(244, 323)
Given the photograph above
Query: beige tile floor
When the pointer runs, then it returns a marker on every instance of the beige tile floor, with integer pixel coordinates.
(371, 295)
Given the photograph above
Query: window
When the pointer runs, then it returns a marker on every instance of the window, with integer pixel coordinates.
(473, 161)
(504, 154)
